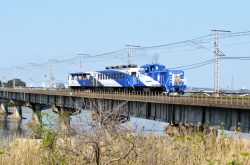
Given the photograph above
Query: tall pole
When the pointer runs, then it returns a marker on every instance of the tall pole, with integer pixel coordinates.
(51, 73)
(232, 85)
(217, 60)
(81, 61)
(30, 75)
(14, 76)
(2, 70)
(130, 53)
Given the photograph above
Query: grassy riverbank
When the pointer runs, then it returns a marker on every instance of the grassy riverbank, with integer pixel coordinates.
(123, 145)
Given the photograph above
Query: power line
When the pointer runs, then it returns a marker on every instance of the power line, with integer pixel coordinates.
(209, 61)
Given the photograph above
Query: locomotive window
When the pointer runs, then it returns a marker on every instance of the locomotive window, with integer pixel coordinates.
(162, 69)
(147, 69)
(142, 70)
(88, 77)
(151, 68)
(133, 74)
(123, 75)
(111, 76)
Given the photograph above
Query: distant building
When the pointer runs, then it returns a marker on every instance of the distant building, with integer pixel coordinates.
(43, 84)
(243, 90)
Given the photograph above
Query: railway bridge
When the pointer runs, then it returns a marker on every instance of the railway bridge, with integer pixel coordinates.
(194, 110)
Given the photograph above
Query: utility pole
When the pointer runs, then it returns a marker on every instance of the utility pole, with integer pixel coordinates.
(14, 76)
(217, 59)
(81, 61)
(30, 76)
(130, 53)
(232, 85)
(51, 73)
(2, 70)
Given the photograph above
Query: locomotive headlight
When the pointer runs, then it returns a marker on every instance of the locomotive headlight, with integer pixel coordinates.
(170, 72)
(181, 73)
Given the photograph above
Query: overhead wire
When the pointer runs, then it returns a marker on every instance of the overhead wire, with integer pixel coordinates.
(169, 46)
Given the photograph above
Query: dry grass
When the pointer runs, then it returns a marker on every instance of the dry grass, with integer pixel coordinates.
(121, 145)
(89, 142)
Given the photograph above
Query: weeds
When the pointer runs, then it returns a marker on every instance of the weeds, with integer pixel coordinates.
(89, 142)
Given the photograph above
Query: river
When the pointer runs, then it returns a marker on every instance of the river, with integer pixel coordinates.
(12, 127)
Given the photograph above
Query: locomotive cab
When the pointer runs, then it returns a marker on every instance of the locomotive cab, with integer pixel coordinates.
(148, 68)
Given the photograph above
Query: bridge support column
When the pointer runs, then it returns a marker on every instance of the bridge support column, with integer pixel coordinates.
(4, 107)
(17, 109)
(56, 109)
(36, 113)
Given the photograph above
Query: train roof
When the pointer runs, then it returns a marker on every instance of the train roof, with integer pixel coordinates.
(155, 65)
(122, 67)
(106, 70)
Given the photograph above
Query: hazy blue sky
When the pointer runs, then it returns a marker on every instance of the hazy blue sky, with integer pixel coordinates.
(36, 31)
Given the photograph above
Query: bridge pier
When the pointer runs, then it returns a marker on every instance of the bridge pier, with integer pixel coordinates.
(17, 109)
(4, 106)
(36, 113)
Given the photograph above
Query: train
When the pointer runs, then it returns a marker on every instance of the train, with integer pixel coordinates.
(149, 77)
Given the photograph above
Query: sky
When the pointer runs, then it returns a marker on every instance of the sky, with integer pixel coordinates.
(38, 31)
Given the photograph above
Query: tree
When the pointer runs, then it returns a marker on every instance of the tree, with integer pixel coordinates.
(61, 85)
(18, 82)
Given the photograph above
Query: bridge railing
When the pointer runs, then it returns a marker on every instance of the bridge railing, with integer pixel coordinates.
(157, 97)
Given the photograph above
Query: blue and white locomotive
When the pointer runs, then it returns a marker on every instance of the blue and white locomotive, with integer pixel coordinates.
(149, 77)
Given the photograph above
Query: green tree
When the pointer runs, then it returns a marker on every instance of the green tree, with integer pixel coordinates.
(18, 82)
